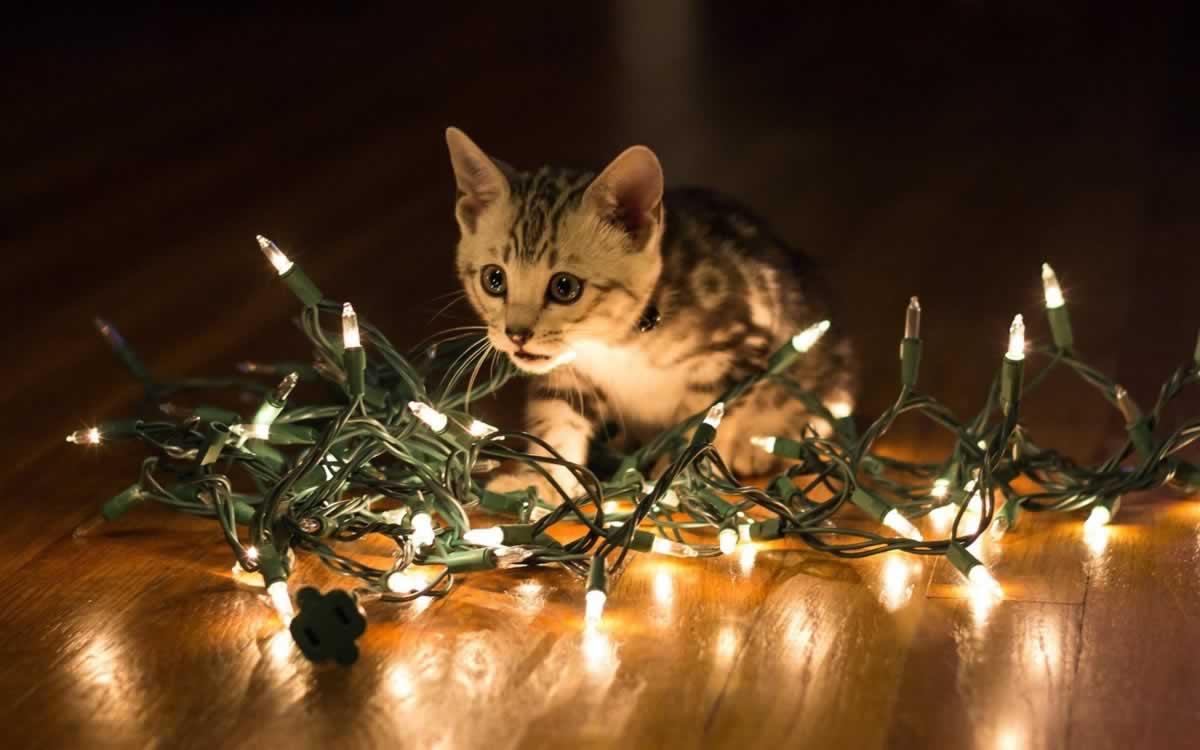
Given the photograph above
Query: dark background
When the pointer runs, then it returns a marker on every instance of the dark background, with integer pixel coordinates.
(944, 150)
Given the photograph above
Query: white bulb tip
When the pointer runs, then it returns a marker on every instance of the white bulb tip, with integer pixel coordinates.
(902, 525)
(767, 443)
(715, 414)
(805, 340)
(727, 540)
(594, 607)
(1100, 516)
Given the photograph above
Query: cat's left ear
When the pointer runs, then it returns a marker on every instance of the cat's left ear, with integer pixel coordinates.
(628, 193)
(481, 181)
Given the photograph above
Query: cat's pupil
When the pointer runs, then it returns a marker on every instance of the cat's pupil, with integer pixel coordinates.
(564, 288)
(493, 280)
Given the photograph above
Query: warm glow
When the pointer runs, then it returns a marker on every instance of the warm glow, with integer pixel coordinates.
(594, 607)
(664, 587)
(282, 600)
(275, 255)
(766, 443)
(840, 409)
(983, 583)
(480, 429)
(727, 540)
(252, 431)
(1099, 517)
(350, 335)
(902, 525)
(670, 547)
(433, 418)
(489, 537)
(805, 340)
(89, 436)
(1054, 295)
(1016, 339)
(422, 525)
(715, 414)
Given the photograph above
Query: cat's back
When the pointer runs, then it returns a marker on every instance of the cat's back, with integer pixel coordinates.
(721, 257)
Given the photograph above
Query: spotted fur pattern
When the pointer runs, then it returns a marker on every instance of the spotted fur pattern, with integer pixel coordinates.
(729, 293)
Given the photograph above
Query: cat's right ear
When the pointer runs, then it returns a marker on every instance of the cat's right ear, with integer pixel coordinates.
(481, 183)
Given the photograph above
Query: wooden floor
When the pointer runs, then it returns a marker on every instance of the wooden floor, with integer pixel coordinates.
(945, 155)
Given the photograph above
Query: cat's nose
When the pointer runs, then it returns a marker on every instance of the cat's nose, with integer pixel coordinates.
(518, 335)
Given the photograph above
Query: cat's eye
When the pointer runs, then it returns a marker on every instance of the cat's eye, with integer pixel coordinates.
(564, 288)
(493, 281)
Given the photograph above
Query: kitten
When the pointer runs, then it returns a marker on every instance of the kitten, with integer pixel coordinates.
(662, 299)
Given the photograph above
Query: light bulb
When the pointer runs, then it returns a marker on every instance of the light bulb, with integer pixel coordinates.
(1016, 339)
(350, 335)
(594, 607)
(1100, 516)
(840, 409)
(433, 418)
(767, 443)
(983, 582)
(252, 553)
(805, 340)
(275, 255)
(941, 486)
(901, 525)
(715, 414)
(489, 537)
(252, 431)
(286, 386)
(278, 591)
(1129, 408)
(508, 557)
(422, 525)
(665, 546)
(88, 436)
(912, 319)
(400, 582)
(480, 429)
(395, 515)
(1054, 295)
(727, 540)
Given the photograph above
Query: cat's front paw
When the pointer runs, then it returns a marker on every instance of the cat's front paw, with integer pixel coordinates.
(522, 479)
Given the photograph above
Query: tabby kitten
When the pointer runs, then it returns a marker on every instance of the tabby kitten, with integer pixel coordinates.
(634, 306)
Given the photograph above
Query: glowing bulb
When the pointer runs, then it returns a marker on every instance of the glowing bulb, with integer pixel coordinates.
(594, 607)
(89, 436)
(508, 557)
(286, 386)
(399, 582)
(275, 255)
(940, 488)
(665, 546)
(278, 591)
(490, 537)
(744, 533)
(1054, 295)
(840, 409)
(715, 414)
(433, 418)
(252, 431)
(983, 582)
(943, 515)
(395, 515)
(350, 335)
(1016, 339)
(901, 525)
(765, 442)
(422, 525)
(480, 429)
(805, 340)
(252, 553)
(912, 319)
(728, 539)
(1100, 516)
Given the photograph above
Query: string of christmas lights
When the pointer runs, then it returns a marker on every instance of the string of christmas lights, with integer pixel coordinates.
(395, 456)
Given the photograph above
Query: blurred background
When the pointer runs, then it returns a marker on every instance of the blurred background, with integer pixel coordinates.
(943, 151)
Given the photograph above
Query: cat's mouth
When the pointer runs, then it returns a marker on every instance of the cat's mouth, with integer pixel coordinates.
(539, 364)
(525, 356)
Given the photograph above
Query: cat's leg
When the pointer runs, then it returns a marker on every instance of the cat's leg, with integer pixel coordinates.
(563, 415)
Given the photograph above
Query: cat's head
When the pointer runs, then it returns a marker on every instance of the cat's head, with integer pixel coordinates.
(555, 257)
